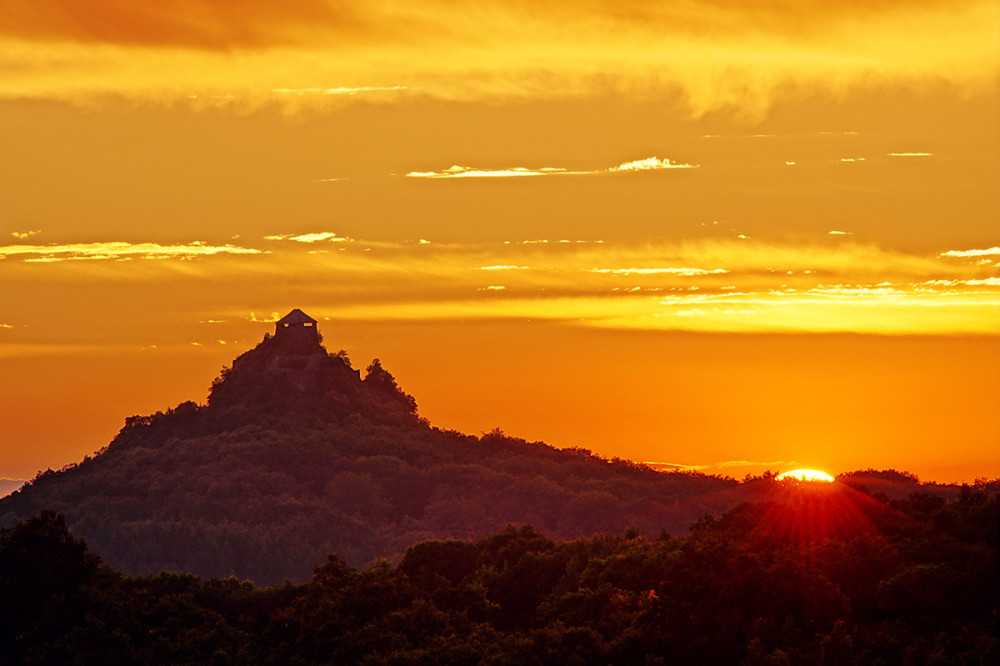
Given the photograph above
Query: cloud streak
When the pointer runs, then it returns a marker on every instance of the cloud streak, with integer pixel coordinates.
(245, 23)
(650, 164)
(659, 271)
(458, 171)
(719, 467)
(322, 236)
(717, 286)
(118, 251)
(988, 252)
(503, 267)
(674, 467)
(830, 285)
(301, 92)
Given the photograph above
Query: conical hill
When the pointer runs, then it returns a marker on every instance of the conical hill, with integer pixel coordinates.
(296, 455)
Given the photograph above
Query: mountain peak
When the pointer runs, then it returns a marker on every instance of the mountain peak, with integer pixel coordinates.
(291, 373)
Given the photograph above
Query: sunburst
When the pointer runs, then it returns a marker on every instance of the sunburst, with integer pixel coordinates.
(805, 475)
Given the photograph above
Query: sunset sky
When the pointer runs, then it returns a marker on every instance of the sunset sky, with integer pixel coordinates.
(711, 234)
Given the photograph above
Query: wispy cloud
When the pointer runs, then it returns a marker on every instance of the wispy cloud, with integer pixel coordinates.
(328, 236)
(909, 154)
(988, 252)
(21, 235)
(118, 251)
(337, 91)
(721, 285)
(746, 286)
(984, 282)
(659, 271)
(723, 467)
(457, 171)
(503, 267)
(651, 164)
(674, 467)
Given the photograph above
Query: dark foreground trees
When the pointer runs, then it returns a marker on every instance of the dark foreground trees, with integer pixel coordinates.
(911, 582)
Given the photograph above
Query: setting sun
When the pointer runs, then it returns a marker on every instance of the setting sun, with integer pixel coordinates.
(805, 475)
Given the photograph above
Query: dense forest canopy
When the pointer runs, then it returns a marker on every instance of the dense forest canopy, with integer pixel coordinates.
(802, 576)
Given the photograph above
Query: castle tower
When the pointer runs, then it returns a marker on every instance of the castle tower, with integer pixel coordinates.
(296, 323)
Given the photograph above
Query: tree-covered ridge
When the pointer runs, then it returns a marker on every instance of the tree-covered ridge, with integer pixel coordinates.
(907, 582)
(269, 504)
(296, 456)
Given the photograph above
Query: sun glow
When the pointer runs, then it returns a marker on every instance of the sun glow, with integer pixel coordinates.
(805, 509)
(805, 475)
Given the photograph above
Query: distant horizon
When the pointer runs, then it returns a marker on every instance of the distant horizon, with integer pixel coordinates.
(724, 469)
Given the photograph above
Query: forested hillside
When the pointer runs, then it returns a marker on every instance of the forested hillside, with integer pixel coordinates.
(807, 575)
(295, 456)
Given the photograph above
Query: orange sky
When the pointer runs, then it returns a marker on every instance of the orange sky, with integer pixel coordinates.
(680, 232)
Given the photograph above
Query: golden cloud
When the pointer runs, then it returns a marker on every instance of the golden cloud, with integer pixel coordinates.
(315, 237)
(251, 24)
(458, 171)
(987, 252)
(731, 286)
(117, 250)
(719, 53)
(651, 164)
